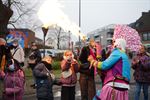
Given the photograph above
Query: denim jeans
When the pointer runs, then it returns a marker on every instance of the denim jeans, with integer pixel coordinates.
(144, 86)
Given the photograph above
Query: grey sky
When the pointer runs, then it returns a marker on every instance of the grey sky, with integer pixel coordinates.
(98, 13)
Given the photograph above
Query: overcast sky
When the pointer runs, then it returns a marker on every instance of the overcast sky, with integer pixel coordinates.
(99, 13)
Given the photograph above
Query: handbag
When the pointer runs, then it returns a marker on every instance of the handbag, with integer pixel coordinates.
(67, 73)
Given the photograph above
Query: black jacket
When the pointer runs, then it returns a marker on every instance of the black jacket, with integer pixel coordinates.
(84, 63)
(35, 54)
(43, 81)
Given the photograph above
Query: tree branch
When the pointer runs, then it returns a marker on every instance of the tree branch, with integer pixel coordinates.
(12, 25)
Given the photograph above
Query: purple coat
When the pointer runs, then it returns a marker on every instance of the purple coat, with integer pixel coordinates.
(14, 85)
(142, 69)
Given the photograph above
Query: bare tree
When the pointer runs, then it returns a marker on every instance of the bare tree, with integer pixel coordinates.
(15, 13)
(58, 35)
(5, 14)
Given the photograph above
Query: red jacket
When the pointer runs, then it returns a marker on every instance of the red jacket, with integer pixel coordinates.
(71, 80)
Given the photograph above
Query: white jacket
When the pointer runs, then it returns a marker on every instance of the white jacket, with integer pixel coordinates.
(19, 54)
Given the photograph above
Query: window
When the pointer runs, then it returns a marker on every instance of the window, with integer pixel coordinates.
(109, 42)
(88, 39)
(97, 36)
(149, 36)
(145, 37)
(109, 34)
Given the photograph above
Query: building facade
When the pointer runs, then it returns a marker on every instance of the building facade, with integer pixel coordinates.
(142, 25)
(102, 35)
(25, 36)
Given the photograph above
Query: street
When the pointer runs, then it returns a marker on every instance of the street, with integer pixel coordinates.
(57, 91)
(78, 97)
(30, 93)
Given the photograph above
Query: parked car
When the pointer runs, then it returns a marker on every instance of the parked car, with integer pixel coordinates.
(48, 52)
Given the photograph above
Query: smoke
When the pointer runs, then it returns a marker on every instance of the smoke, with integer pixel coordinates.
(50, 14)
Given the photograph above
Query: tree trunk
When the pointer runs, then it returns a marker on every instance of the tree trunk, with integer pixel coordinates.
(5, 14)
(58, 39)
(58, 47)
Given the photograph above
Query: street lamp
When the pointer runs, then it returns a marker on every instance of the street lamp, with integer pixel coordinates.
(45, 30)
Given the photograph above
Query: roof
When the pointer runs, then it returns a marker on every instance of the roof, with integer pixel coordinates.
(143, 23)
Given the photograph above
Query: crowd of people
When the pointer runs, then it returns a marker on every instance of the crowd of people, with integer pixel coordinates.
(113, 66)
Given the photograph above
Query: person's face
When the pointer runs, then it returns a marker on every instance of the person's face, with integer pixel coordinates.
(69, 55)
(34, 46)
(142, 49)
(113, 41)
(15, 44)
(49, 60)
(92, 44)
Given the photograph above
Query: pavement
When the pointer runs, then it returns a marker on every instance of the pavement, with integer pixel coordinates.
(30, 93)
(57, 91)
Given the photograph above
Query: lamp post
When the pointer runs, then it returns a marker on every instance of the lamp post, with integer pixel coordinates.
(69, 43)
(72, 46)
(79, 22)
(45, 30)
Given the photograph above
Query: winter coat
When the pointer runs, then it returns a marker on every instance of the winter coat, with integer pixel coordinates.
(84, 63)
(116, 66)
(72, 79)
(14, 85)
(43, 81)
(142, 69)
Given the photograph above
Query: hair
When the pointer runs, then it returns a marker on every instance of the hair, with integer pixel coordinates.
(46, 57)
(91, 40)
(33, 43)
(121, 44)
(16, 40)
(2, 40)
(64, 56)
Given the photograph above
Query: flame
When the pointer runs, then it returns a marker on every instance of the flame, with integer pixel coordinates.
(50, 14)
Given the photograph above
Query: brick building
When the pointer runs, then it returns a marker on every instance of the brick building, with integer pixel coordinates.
(142, 25)
(26, 35)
